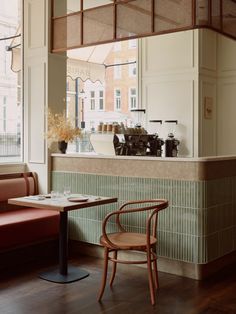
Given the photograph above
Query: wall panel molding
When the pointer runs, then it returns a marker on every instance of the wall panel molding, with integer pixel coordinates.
(36, 14)
(208, 50)
(172, 100)
(160, 59)
(36, 112)
(226, 117)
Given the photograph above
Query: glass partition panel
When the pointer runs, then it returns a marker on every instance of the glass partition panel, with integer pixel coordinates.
(101, 20)
(229, 17)
(215, 14)
(171, 15)
(202, 12)
(89, 4)
(66, 32)
(134, 18)
(106, 21)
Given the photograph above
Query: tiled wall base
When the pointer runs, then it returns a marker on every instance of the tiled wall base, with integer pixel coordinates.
(198, 227)
(180, 268)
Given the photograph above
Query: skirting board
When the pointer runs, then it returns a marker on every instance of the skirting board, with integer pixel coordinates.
(180, 268)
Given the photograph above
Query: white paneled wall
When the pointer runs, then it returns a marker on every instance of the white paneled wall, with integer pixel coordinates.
(191, 77)
(217, 84)
(169, 70)
(226, 96)
(207, 92)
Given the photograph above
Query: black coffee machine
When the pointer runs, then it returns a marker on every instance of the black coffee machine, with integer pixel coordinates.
(138, 145)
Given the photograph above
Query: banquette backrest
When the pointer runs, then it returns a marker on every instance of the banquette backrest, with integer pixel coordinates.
(17, 185)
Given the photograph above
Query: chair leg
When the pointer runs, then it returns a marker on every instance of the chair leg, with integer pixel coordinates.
(150, 278)
(114, 266)
(104, 278)
(156, 281)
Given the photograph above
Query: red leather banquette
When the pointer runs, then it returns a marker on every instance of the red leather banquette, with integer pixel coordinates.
(23, 226)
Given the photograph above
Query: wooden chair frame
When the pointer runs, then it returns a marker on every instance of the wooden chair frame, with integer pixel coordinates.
(153, 205)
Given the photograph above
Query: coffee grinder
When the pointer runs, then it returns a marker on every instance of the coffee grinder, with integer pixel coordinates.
(138, 117)
(171, 143)
(157, 143)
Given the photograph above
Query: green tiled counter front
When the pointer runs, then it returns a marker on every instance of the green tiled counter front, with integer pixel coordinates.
(198, 226)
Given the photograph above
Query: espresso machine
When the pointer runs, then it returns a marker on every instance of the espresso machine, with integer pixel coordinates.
(138, 145)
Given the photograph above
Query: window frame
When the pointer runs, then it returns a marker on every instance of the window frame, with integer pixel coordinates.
(117, 99)
(92, 100)
(133, 97)
(101, 99)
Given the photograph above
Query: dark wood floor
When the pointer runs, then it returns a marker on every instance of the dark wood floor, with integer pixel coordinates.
(22, 292)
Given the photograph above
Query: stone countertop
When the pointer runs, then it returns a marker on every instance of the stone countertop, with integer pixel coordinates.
(193, 169)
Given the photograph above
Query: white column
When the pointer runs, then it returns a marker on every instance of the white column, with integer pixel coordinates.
(44, 86)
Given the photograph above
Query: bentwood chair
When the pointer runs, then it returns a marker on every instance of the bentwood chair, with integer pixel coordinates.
(124, 240)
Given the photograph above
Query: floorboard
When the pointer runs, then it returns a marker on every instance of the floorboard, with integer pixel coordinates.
(22, 292)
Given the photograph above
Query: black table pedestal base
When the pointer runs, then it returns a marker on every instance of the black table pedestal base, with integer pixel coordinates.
(73, 274)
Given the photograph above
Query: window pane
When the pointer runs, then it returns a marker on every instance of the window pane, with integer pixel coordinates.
(106, 102)
(10, 83)
(92, 100)
(132, 98)
(117, 99)
(101, 100)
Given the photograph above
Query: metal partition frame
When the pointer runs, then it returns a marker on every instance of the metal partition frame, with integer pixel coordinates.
(127, 19)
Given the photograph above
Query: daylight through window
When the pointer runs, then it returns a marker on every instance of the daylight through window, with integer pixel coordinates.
(10, 82)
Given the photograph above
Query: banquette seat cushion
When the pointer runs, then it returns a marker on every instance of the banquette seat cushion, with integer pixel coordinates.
(26, 226)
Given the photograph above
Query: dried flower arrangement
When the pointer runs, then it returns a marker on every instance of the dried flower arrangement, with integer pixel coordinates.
(60, 128)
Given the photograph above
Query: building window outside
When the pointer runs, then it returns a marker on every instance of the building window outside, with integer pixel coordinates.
(92, 100)
(117, 69)
(72, 100)
(132, 98)
(117, 99)
(101, 100)
(132, 68)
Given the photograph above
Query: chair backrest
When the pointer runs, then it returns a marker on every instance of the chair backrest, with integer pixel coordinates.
(152, 206)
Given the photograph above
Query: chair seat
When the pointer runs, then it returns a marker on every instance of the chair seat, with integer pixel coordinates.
(127, 240)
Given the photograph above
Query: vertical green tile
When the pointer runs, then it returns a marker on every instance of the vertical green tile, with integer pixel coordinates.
(191, 229)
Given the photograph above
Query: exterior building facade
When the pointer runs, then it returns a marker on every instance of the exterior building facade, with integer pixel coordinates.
(112, 100)
(10, 91)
